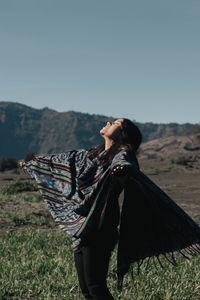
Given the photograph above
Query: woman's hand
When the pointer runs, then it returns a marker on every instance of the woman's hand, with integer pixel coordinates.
(117, 170)
(22, 164)
(118, 178)
(120, 174)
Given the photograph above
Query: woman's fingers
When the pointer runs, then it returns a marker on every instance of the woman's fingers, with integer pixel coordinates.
(21, 163)
(118, 168)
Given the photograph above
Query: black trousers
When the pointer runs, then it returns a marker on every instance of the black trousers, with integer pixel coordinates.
(92, 262)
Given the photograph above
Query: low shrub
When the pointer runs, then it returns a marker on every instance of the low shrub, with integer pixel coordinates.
(7, 164)
(18, 186)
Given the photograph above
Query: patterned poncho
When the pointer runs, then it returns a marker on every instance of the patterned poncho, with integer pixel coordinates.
(151, 222)
(68, 183)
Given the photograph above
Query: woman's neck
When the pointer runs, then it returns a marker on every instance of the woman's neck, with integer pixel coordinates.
(108, 144)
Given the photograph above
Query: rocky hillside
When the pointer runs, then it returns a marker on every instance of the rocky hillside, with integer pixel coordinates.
(183, 150)
(24, 129)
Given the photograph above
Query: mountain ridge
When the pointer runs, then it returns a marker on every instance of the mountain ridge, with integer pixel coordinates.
(25, 129)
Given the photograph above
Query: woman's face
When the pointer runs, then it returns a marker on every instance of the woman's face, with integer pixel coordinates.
(111, 128)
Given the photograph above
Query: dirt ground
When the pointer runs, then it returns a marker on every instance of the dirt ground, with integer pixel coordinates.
(181, 183)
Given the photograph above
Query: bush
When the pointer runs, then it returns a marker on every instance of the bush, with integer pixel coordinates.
(185, 161)
(182, 161)
(18, 187)
(7, 164)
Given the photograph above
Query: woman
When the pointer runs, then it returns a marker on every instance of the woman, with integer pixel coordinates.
(92, 259)
(81, 189)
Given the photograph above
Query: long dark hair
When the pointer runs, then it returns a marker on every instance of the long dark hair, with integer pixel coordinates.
(128, 138)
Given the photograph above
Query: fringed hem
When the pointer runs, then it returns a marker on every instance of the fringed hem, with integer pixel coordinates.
(192, 250)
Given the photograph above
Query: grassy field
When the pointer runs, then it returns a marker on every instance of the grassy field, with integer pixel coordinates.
(39, 265)
(36, 258)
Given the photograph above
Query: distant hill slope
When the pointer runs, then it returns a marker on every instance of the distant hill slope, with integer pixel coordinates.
(24, 129)
(184, 150)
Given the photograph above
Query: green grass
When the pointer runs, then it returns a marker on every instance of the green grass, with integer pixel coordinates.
(24, 196)
(31, 218)
(18, 186)
(36, 260)
(39, 265)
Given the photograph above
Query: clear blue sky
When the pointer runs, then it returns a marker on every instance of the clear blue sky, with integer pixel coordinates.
(122, 58)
